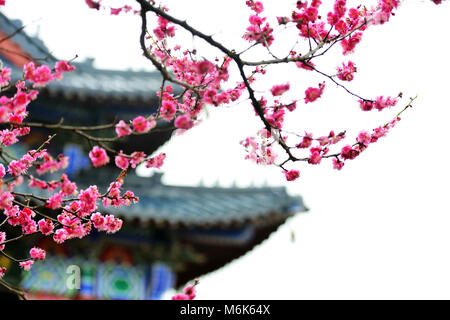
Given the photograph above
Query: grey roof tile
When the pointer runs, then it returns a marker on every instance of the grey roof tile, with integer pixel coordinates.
(195, 205)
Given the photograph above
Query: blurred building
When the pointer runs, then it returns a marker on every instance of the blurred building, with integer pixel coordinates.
(173, 235)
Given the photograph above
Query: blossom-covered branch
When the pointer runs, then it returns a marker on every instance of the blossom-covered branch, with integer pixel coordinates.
(190, 83)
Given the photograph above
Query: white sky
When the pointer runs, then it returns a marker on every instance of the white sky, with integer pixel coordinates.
(377, 229)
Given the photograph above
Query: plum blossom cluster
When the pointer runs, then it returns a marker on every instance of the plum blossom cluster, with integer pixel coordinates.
(35, 254)
(75, 211)
(13, 109)
(99, 157)
(68, 188)
(344, 25)
(379, 103)
(50, 164)
(292, 175)
(319, 148)
(164, 29)
(347, 71)
(115, 199)
(203, 80)
(107, 223)
(73, 220)
(349, 23)
(364, 138)
(41, 75)
(259, 30)
(259, 150)
(19, 167)
(312, 93)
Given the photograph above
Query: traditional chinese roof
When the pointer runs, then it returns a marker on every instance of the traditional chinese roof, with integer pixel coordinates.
(219, 224)
(86, 81)
(87, 95)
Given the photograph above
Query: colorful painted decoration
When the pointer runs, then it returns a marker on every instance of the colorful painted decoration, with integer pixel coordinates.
(84, 279)
(120, 282)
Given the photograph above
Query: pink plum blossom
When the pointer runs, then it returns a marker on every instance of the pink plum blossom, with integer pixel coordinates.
(46, 226)
(6, 200)
(346, 72)
(54, 201)
(98, 156)
(312, 94)
(141, 124)
(122, 162)
(26, 265)
(306, 141)
(337, 164)
(156, 162)
(37, 253)
(68, 188)
(88, 199)
(349, 153)
(122, 129)
(315, 157)
(292, 175)
(184, 122)
(278, 90)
